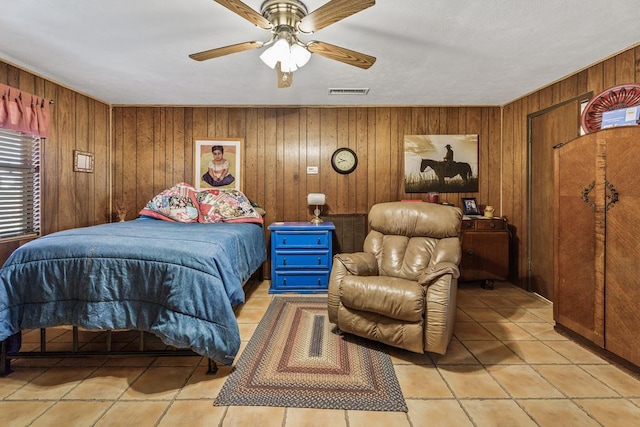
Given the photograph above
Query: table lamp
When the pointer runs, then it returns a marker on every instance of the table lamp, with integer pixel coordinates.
(317, 200)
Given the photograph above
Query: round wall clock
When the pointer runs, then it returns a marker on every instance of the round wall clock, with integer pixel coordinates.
(614, 98)
(344, 160)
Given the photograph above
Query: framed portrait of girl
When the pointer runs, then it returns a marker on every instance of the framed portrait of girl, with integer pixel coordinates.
(218, 163)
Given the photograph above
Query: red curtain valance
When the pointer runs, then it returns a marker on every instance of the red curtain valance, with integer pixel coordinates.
(23, 112)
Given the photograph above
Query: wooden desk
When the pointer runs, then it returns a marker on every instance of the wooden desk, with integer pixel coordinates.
(485, 250)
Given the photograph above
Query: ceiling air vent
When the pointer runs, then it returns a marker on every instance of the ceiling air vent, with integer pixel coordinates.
(348, 91)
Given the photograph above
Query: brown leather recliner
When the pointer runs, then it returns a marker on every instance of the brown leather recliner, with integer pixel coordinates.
(401, 290)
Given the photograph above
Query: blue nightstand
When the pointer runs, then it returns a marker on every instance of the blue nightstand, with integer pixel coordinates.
(301, 254)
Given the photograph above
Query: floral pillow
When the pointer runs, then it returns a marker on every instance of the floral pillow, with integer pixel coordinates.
(177, 203)
(226, 206)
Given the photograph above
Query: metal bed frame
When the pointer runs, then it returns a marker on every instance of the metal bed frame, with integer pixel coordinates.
(6, 356)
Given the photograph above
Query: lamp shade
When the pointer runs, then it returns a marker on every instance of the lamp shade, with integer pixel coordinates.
(287, 64)
(269, 58)
(300, 55)
(316, 199)
(278, 52)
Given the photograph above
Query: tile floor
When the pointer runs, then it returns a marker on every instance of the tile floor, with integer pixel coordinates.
(505, 367)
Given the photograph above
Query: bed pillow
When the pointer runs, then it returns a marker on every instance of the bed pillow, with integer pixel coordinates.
(176, 204)
(226, 206)
(258, 208)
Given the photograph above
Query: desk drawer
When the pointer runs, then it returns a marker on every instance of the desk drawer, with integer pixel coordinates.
(484, 224)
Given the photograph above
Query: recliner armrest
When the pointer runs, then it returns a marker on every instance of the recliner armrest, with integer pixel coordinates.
(447, 250)
(437, 270)
(353, 264)
(358, 264)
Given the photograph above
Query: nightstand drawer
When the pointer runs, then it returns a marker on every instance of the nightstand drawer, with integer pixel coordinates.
(301, 259)
(294, 281)
(301, 239)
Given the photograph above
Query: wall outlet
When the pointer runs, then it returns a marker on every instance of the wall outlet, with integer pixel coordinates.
(312, 170)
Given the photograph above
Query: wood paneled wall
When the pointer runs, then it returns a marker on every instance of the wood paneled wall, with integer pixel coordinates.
(69, 199)
(619, 69)
(153, 149)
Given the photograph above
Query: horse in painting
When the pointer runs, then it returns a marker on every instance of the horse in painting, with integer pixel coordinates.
(445, 170)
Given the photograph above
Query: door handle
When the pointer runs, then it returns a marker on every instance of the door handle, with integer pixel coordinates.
(585, 195)
(611, 198)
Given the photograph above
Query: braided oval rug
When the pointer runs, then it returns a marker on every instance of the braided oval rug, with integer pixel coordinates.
(296, 359)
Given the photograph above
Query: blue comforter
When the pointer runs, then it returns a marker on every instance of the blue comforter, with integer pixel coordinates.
(177, 281)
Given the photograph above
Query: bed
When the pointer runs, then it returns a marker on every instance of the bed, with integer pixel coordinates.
(178, 281)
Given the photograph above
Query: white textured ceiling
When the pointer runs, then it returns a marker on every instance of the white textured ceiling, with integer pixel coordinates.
(429, 52)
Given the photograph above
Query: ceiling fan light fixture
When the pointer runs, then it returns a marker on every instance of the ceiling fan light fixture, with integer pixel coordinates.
(290, 56)
(275, 53)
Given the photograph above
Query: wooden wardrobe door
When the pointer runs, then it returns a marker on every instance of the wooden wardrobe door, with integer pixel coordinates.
(576, 290)
(622, 316)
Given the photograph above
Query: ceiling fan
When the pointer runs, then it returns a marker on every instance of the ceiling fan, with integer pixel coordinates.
(286, 19)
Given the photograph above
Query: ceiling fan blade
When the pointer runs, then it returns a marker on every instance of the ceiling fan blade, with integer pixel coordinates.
(284, 79)
(237, 7)
(221, 51)
(341, 54)
(332, 12)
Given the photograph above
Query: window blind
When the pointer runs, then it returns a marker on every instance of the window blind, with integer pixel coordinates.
(19, 185)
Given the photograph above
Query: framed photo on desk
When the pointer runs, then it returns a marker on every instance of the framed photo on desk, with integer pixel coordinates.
(470, 206)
